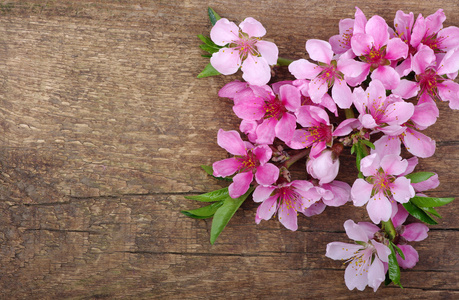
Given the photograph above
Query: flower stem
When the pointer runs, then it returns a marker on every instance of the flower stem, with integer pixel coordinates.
(349, 113)
(281, 61)
(389, 229)
(294, 158)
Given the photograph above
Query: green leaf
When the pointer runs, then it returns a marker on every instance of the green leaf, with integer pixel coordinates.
(353, 149)
(394, 269)
(213, 196)
(225, 213)
(419, 213)
(209, 170)
(203, 212)
(419, 176)
(368, 143)
(399, 251)
(208, 71)
(213, 16)
(208, 48)
(430, 201)
(206, 55)
(431, 211)
(388, 280)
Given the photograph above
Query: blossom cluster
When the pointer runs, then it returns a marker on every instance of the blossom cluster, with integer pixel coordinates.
(371, 89)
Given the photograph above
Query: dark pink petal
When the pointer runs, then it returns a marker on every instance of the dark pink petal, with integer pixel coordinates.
(226, 61)
(252, 27)
(400, 217)
(240, 185)
(387, 75)
(266, 131)
(319, 51)
(377, 28)
(250, 129)
(342, 94)
(361, 192)
(401, 189)
(396, 49)
(267, 174)
(406, 89)
(393, 164)
(231, 141)
(263, 153)
(415, 232)
(290, 97)
(423, 59)
(379, 208)
(287, 216)
(224, 32)
(269, 51)
(425, 114)
(411, 257)
(226, 167)
(404, 68)
(267, 209)
(300, 139)
(355, 232)
(449, 63)
(262, 193)
(286, 127)
(360, 21)
(317, 148)
(449, 38)
(449, 91)
(341, 251)
(303, 69)
(428, 184)
(362, 43)
(419, 31)
(251, 109)
(418, 144)
(231, 89)
(256, 70)
(434, 22)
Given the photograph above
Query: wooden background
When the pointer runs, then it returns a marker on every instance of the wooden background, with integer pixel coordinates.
(103, 128)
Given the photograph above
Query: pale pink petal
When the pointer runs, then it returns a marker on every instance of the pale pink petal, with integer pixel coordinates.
(341, 251)
(387, 145)
(367, 121)
(393, 164)
(361, 43)
(398, 113)
(360, 21)
(355, 232)
(400, 217)
(324, 167)
(315, 209)
(392, 130)
(403, 24)
(303, 69)
(418, 144)
(240, 185)
(288, 216)
(354, 81)
(317, 88)
(369, 228)
(267, 209)
(411, 257)
(263, 153)
(434, 22)
(262, 193)
(256, 70)
(428, 184)
(406, 89)
(352, 68)
(449, 91)
(319, 51)
(412, 162)
(250, 129)
(404, 68)
(387, 75)
(382, 250)
(342, 94)
(290, 97)
(379, 208)
(423, 59)
(269, 51)
(226, 167)
(425, 114)
(376, 274)
(341, 193)
(396, 49)
(341, 43)
(369, 165)
(377, 28)
(267, 174)
(401, 189)
(286, 127)
(299, 140)
(419, 30)
(356, 275)
(230, 90)
(415, 232)
(252, 27)
(231, 141)
(375, 92)
(346, 127)
(449, 63)
(361, 192)
(224, 32)
(449, 38)
(266, 131)
(226, 61)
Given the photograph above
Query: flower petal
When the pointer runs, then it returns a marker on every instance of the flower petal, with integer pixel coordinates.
(361, 192)
(256, 70)
(288, 216)
(224, 32)
(393, 164)
(267, 209)
(290, 96)
(376, 274)
(411, 257)
(319, 50)
(401, 189)
(415, 232)
(379, 208)
(226, 167)
(303, 69)
(377, 28)
(252, 27)
(361, 43)
(240, 185)
(231, 141)
(269, 51)
(342, 94)
(267, 174)
(418, 144)
(396, 49)
(262, 193)
(355, 232)
(286, 127)
(387, 75)
(341, 251)
(226, 61)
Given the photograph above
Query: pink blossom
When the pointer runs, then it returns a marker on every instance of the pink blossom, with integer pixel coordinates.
(245, 50)
(335, 193)
(324, 75)
(324, 167)
(341, 42)
(248, 161)
(286, 199)
(366, 258)
(382, 184)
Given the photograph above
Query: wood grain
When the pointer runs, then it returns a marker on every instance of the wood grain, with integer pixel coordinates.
(103, 128)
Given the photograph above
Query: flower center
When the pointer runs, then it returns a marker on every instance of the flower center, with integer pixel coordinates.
(321, 132)
(381, 183)
(428, 82)
(249, 162)
(274, 109)
(245, 45)
(376, 57)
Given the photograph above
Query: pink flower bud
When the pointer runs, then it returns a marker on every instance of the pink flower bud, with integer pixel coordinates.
(324, 167)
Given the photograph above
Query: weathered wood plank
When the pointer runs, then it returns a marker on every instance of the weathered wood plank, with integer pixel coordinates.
(103, 128)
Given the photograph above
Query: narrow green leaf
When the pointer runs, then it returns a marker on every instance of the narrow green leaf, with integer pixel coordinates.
(419, 176)
(203, 212)
(225, 213)
(208, 48)
(206, 55)
(206, 40)
(388, 280)
(213, 196)
(353, 149)
(394, 269)
(399, 251)
(430, 201)
(419, 213)
(208, 71)
(431, 211)
(368, 143)
(213, 16)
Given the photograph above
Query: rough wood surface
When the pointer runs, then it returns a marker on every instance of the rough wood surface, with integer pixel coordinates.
(103, 128)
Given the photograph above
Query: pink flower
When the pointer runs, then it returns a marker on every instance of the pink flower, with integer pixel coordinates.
(341, 42)
(382, 184)
(335, 193)
(324, 167)
(365, 258)
(286, 199)
(324, 75)
(248, 161)
(245, 50)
